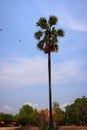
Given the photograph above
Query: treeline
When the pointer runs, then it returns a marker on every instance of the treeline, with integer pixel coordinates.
(74, 114)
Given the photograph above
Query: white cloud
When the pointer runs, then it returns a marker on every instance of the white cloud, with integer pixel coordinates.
(62, 106)
(36, 105)
(23, 71)
(27, 72)
(65, 72)
(6, 109)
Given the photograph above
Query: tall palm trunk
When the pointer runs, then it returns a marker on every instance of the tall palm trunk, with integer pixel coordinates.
(50, 94)
(47, 38)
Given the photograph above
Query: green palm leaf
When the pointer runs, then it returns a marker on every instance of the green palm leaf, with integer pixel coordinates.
(42, 23)
(60, 32)
(48, 35)
(52, 20)
(40, 45)
(38, 34)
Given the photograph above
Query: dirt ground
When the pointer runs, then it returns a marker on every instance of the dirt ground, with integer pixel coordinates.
(36, 128)
(73, 128)
(18, 128)
(8, 128)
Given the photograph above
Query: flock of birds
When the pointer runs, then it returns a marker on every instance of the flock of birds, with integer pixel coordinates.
(19, 40)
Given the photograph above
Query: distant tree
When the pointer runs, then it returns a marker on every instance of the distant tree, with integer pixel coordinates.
(25, 109)
(81, 110)
(56, 106)
(76, 113)
(25, 116)
(40, 117)
(70, 114)
(7, 118)
(58, 115)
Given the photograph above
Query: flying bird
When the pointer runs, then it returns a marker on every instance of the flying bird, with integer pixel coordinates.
(0, 29)
(20, 40)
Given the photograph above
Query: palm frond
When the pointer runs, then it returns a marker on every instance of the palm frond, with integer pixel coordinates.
(40, 45)
(38, 34)
(60, 33)
(42, 23)
(52, 20)
(54, 40)
(53, 32)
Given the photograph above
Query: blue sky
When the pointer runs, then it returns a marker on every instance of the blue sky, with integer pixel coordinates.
(23, 68)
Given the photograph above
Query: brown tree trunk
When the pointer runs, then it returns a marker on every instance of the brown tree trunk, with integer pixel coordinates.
(50, 94)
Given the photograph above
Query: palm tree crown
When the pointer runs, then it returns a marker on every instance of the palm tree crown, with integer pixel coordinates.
(48, 35)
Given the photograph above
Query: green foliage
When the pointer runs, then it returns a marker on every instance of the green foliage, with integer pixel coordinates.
(76, 113)
(56, 106)
(25, 109)
(48, 35)
(25, 116)
(60, 33)
(58, 115)
(7, 118)
(52, 20)
(38, 34)
(42, 23)
(40, 45)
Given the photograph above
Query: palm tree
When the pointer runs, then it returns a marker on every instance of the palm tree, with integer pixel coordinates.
(47, 37)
